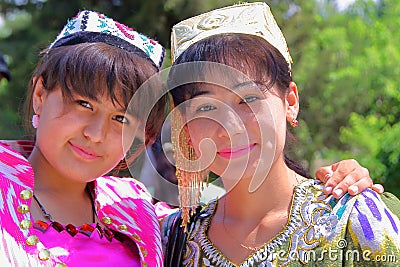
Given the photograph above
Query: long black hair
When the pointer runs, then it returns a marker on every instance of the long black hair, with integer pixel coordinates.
(249, 54)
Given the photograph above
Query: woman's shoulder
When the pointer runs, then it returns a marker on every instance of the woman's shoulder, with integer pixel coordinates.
(129, 192)
(23, 147)
(123, 187)
(14, 166)
(392, 202)
(369, 203)
(373, 203)
(172, 224)
(14, 153)
(367, 214)
(369, 220)
(200, 212)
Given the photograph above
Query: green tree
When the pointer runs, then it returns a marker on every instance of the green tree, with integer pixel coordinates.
(345, 64)
(373, 136)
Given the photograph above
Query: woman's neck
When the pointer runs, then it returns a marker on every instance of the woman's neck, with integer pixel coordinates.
(66, 200)
(47, 179)
(273, 195)
(244, 221)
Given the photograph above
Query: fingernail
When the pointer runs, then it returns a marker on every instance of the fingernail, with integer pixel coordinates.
(382, 189)
(338, 192)
(354, 188)
(328, 189)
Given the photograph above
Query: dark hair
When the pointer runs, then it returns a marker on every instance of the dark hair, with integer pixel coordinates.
(95, 69)
(252, 55)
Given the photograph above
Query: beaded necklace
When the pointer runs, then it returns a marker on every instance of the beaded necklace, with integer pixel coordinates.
(50, 218)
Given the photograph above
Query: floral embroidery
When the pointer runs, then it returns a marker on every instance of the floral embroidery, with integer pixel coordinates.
(317, 225)
(93, 22)
(309, 221)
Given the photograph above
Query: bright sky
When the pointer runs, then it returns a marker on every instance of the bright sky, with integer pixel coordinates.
(344, 3)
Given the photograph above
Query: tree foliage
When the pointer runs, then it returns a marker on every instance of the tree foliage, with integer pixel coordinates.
(345, 64)
(372, 135)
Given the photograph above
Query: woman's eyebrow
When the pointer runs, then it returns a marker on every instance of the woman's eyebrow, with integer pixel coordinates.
(122, 110)
(245, 84)
(200, 93)
(242, 84)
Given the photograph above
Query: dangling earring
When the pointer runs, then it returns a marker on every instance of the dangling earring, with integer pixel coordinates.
(35, 121)
(294, 123)
(189, 172)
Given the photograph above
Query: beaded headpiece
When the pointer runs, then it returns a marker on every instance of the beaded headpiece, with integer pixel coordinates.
(90, 27)
(247, 18)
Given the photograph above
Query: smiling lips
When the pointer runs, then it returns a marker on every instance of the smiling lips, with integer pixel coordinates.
(84, 152)
(235, 152)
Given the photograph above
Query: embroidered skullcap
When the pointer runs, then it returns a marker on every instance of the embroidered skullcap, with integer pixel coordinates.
(90, 27)
(247, 18)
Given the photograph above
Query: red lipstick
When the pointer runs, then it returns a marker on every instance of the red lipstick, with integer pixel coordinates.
(84, 152)
(235, 152)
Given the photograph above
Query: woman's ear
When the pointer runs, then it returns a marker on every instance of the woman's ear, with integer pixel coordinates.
(292, 101)
(39, 94)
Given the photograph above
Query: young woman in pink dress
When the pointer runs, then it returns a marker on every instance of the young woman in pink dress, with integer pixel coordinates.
(57, 206)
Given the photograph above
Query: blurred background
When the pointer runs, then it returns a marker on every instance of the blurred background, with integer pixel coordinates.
(346, 63)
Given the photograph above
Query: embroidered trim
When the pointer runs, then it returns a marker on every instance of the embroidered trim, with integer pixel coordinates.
(86, 229)
(309, 219)
(90, 26)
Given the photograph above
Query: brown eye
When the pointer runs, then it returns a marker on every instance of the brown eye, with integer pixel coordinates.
(205, 108)
(85, 104)
(249, 99)
(121, 119)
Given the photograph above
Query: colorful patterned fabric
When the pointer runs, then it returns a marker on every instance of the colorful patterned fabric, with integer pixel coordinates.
(321, 231)
(122, 204)
(89, 26)
(110, 250)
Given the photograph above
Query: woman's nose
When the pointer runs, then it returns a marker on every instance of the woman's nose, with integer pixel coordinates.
(96, 128)
(232, 123)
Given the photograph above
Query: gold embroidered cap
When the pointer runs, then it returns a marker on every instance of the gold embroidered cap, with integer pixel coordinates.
(247, 18)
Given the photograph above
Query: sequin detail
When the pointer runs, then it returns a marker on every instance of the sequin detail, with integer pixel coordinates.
(85, 229)
(350, 226)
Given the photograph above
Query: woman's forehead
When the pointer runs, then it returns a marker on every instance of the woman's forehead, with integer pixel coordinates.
(224, 82)
(235, 72)
(238, 88)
